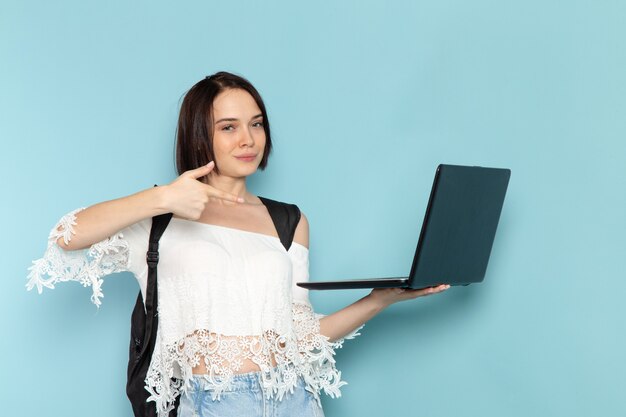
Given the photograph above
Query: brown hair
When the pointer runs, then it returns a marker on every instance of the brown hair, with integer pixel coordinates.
(194, 134)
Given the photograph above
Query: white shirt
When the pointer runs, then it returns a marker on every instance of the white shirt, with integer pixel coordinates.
(225, 294)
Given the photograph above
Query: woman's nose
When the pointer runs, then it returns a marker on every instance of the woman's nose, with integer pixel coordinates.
(246, 138)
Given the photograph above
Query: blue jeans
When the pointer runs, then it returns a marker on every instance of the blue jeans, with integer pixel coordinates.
(246, 398)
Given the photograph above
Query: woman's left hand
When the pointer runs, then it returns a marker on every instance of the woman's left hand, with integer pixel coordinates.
(387, 296)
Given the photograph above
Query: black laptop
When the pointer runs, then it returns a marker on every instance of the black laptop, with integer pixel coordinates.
(457, 233)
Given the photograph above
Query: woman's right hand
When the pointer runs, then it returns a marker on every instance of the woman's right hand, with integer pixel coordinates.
(187, 196)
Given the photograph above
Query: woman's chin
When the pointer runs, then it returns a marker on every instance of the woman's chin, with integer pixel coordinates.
(240, 173)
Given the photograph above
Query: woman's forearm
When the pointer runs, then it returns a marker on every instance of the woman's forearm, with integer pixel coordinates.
(345, 321)
(102, 220)
(186, 196)
(341, 323)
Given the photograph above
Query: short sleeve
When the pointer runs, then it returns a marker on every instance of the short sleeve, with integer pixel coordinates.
(316, 349)
(300, 272)
(88, 266)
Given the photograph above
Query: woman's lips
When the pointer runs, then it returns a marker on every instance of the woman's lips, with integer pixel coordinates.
(246, 158)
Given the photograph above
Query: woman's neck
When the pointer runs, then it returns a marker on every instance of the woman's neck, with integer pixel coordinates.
(236, 186)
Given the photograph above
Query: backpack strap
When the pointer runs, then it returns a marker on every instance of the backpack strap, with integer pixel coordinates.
(144, 325)
(285, 217)
(159, 223)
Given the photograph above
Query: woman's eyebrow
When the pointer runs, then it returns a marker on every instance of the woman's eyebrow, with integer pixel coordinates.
(233, 119)
(227, 119)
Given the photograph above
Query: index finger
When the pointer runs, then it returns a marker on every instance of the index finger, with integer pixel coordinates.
(214, 192)
(201, 171)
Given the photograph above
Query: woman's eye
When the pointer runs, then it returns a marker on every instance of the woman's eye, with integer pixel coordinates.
(257, 124)
(228, 127)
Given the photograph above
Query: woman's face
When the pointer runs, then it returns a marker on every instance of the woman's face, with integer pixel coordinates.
(238, 134)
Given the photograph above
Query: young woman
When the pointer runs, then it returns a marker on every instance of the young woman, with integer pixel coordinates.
(236, 336)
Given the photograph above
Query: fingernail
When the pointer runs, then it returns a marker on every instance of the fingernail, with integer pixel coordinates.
(240, 199)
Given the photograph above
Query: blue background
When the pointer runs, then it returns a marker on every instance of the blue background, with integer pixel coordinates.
(365, 99)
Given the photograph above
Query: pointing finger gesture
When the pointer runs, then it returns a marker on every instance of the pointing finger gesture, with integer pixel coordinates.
(187, 196)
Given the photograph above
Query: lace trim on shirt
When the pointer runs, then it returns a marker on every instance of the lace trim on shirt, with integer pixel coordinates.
(305, 353)
(86, 266)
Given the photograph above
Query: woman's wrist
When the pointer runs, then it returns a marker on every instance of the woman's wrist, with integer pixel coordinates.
(377, 302)
(158, 199)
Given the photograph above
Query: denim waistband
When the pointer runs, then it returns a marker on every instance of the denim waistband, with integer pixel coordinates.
(249, 399)
(248, 381)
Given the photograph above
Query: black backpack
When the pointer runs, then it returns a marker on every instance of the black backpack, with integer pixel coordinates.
(144, 324)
